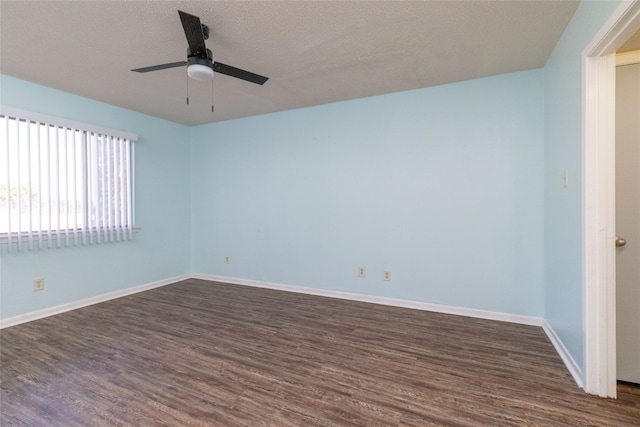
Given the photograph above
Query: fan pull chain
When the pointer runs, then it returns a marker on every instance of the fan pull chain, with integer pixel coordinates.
(212, 95)
(187, 88)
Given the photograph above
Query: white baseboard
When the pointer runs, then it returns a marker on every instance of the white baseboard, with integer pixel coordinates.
(571, 365)
(418, 305)
(564, 354)
(39, 314)
(562, 351)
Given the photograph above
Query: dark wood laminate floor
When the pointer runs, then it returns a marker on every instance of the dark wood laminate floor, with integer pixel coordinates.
(202, 353)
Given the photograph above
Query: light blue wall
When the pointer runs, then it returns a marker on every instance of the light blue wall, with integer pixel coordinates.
(563, 151)
(159, 251)
(441, 186)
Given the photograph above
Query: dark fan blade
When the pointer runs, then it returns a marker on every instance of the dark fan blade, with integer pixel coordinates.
(238, 73)
(193, 31)
(160, 67)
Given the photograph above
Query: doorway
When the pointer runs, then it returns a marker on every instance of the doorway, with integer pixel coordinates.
(628, 216)
(599, 256)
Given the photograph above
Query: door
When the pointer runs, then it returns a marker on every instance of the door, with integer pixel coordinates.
(628, 222)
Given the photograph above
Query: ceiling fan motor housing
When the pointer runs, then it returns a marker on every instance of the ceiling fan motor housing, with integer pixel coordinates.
(200, 57)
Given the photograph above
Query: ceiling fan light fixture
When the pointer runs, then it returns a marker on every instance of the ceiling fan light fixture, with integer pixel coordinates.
(200, 72)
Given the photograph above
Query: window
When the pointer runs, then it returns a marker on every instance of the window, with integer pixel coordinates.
(63, 184)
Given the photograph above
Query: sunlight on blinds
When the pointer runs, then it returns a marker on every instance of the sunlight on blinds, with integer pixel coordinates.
(63, 186)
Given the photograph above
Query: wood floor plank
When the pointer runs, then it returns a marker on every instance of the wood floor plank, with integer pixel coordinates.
(200, 353)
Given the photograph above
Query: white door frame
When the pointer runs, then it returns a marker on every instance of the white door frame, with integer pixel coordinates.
(598, 210)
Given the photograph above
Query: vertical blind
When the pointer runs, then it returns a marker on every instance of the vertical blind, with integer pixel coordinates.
(63, 184)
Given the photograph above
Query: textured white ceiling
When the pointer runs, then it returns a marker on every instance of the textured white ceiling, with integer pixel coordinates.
(313, 52)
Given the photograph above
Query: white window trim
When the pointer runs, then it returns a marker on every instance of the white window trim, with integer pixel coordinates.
(38, 117)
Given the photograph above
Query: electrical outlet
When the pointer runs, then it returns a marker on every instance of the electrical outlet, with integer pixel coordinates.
(226, 260)
(38, 284)
(361, 272)
(387, 276)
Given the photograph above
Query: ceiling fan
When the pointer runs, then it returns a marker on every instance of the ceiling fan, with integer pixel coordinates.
(200, 64)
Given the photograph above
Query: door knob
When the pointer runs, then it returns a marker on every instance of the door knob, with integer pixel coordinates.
(620, 241)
